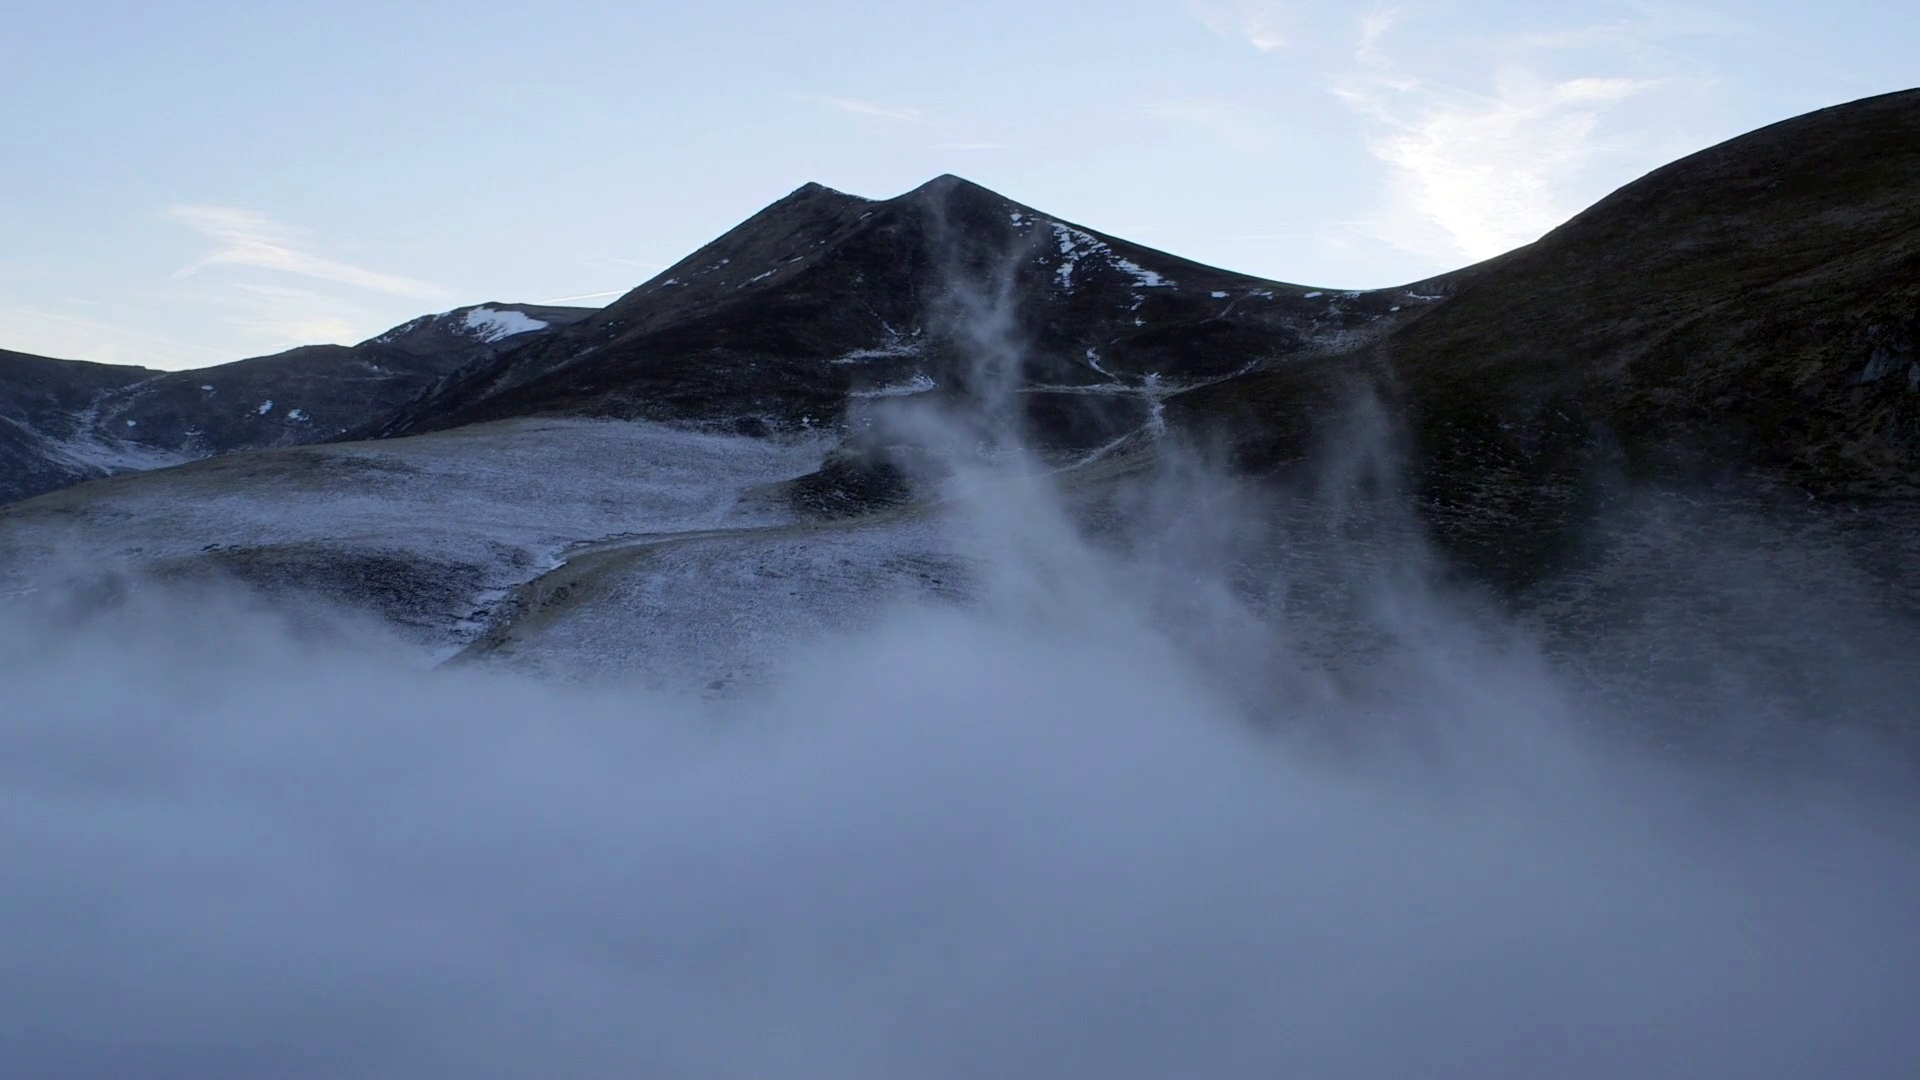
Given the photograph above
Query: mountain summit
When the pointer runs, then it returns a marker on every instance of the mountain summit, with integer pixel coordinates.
(824, 298)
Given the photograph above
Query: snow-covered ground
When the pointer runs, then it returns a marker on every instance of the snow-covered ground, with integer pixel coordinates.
(723, 610)
(92, 452)
(488, 324)
(492, 505)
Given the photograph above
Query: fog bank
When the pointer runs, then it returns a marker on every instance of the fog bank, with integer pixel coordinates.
(1045, 835)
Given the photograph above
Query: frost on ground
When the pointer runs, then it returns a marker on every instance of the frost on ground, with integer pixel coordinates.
(998, 810)
(724, 610)
(455, 517)
(90, 452)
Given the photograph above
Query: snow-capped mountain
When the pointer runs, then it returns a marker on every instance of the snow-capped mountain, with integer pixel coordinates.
(62, 422)
(825, 299)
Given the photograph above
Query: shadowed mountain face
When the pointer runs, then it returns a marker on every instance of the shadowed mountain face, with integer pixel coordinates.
(64, 421)
(1749, 315)
(825, 300)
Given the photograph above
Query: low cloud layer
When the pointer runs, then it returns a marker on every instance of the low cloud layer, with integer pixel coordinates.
(1044, 837)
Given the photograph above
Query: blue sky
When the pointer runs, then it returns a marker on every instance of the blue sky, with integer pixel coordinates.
(190, 183)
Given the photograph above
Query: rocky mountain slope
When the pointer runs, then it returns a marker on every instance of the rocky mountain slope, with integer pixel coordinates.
(825, 300)
(63, 421)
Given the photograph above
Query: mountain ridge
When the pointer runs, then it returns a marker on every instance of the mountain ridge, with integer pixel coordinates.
(822, 297)
(67, 421)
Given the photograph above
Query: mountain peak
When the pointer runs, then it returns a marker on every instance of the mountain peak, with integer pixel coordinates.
(946, 187)
(813, 189)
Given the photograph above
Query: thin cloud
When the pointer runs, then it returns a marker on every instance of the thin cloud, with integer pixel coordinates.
(874, 109)
(585, 296)
(1650, 23)
(1232, 124)
(283, 317)
(48, 333)
(1257, 22)
(973, 146)
(267, 316)
(1262, 237)
(1475, 174)
(247, 238)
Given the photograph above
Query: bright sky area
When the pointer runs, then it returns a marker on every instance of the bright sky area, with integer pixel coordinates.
(190, 183)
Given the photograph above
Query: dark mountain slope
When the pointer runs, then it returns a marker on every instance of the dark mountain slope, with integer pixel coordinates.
(42, 401)
(1748, 312)
(824, 299)
(63, 421)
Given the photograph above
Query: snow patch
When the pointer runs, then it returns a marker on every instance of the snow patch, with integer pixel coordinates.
(105, 456)
(488, 324)
(1148, 279)
(1076, 244)
(895, 345)
(881, 353)
(919, 384)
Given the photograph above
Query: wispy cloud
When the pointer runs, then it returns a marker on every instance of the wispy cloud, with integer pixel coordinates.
(1301, 234)
(973, 146)
(1638, 32)
(1259, 23)
(251, 239)
(72, 337)
(875, 109)
(585, 296)
(282, 316)
(1238, 127)
(1475, 173)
